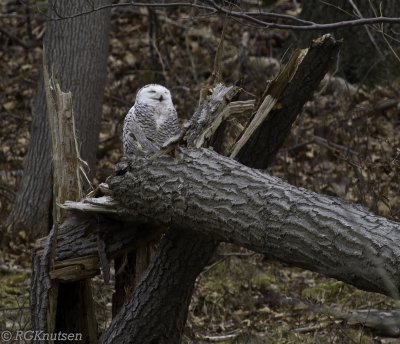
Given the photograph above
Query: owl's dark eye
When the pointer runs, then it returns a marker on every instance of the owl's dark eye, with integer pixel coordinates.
(152, 91)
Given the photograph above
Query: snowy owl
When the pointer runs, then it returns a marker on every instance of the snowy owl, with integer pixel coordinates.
(152, 122)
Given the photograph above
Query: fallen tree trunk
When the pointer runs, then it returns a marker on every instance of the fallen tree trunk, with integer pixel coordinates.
(221, 199)
(209, 193)
(212, 194)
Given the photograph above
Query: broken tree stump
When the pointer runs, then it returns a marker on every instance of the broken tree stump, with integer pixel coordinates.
(61, 307)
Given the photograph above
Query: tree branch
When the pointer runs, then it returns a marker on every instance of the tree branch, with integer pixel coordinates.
(258, 19)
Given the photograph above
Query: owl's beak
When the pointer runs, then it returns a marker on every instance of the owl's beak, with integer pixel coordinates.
(161, 98)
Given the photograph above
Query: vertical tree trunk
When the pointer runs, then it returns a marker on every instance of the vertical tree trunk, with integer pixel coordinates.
(184, 254)
(366, 55)
(78, 50)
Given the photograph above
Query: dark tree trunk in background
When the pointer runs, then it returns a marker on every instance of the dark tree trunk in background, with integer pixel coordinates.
(78, 49)
(362, 59)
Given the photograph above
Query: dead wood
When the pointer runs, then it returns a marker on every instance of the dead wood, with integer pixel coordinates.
(51, 306)
(191, 239)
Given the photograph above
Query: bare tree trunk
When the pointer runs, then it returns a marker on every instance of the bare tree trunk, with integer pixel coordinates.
(250, 209)
(211, 194)
(184, 253)
(78, 49)
(366, 53)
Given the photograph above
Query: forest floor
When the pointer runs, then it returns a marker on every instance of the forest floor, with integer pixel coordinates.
(346, 143)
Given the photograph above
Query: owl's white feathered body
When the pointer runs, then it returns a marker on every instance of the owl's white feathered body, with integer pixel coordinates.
(152, 122)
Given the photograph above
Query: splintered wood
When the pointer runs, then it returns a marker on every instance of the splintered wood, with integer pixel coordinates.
(50, 298)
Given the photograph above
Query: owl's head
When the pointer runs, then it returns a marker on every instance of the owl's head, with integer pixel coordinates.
(155, 95)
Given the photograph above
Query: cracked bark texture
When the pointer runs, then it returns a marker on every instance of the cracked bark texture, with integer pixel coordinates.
(211, 194)
(78, 49)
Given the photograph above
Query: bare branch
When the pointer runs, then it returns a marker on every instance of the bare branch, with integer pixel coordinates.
(261, 20)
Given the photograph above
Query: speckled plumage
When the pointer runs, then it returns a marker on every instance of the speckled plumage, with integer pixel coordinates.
(152, 122)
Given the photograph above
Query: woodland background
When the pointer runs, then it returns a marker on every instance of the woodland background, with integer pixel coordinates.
(346, 143)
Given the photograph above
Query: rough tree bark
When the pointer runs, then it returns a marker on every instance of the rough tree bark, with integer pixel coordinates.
(211, 194)
(254, 210)
(78, 48)
(366, 54)
(201, 247)
(183, 253)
